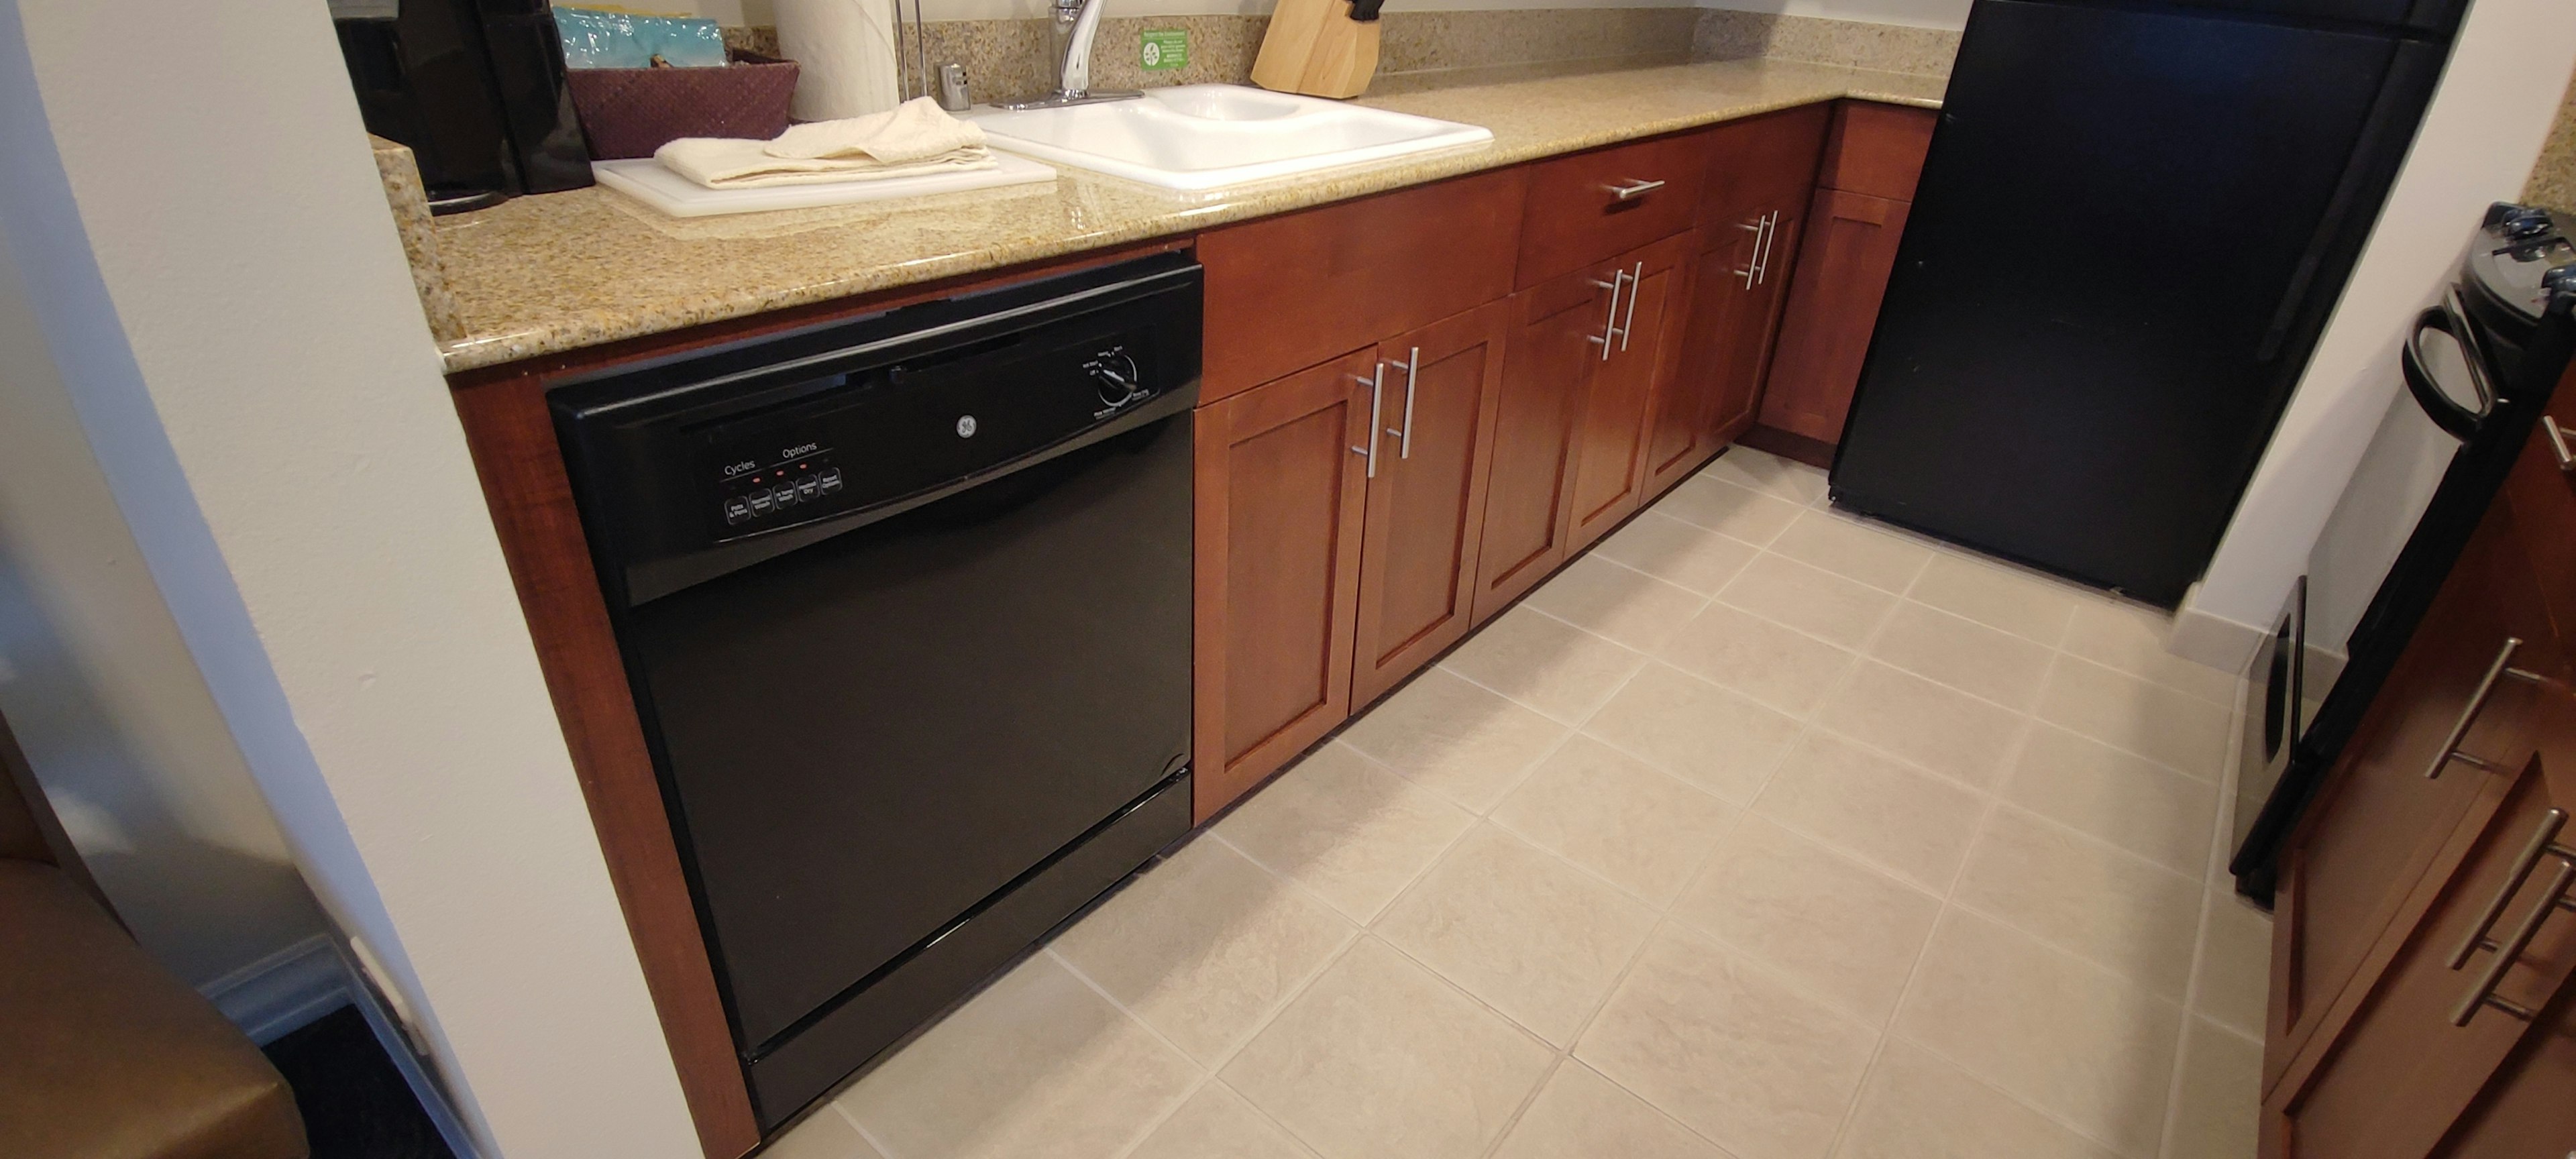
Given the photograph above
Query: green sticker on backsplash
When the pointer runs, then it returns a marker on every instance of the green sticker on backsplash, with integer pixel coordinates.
(1165, 49)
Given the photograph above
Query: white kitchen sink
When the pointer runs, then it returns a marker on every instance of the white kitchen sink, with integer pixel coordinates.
(1202, 137)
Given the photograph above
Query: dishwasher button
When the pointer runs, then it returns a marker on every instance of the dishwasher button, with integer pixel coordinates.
(830, 480)
(759, 501)
(736, 510)
(807, 487)
(784, 495)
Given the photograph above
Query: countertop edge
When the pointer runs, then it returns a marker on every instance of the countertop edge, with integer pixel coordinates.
(579, 333)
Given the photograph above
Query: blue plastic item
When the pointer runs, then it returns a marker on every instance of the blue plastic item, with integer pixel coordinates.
(596, 39)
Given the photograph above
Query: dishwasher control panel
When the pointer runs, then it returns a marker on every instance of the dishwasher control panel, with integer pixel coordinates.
(795, 478)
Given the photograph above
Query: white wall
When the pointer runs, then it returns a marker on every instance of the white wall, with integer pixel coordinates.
(2477, 145)
(103, 696)
(1918, 13)
(1946, 14)
(206, 246)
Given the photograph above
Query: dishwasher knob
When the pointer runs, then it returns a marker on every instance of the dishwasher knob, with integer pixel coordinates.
(1114, 373)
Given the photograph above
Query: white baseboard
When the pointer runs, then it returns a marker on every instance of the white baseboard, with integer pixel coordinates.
(2212, 640)
(296, 985)
(284, 990)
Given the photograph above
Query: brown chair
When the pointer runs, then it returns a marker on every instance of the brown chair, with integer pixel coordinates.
(104, 1054)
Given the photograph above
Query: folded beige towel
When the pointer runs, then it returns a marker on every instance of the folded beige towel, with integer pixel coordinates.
(913, 138)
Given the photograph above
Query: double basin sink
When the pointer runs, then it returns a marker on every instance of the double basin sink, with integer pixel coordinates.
(1199, 138)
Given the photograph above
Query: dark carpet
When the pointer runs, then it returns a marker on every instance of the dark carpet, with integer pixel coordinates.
(355, 1104)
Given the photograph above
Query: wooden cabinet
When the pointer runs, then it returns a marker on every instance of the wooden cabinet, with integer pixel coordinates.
(1609, 453)
(1586, 355)
(1512, 429)
(1425, 513)
(2383, 823)
(2432, 870)
(1280, 494)
(1287, 292)
(1849, 251)
(2403, 1072)
(1864, 188)
(1550, 352)
(1747, 243)
(1876, 149)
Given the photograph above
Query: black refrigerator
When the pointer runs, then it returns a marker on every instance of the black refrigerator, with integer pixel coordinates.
(2131, 227)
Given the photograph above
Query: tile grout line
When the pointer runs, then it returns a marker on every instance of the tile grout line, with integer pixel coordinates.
(865, 1136)
(1994, 802)
(1952, 904)
(1806, 726)
(2221, 836)
(1886, 1027)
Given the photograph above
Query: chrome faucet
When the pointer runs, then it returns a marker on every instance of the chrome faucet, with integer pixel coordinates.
(1076, 22)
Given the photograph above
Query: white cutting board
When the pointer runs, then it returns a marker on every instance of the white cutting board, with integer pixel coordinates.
(645, 180)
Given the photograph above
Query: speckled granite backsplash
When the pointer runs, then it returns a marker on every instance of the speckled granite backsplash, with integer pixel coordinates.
(1728, 35)
(1006, 60)
(2553, 180)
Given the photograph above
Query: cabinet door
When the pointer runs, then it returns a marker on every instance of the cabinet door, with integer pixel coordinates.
(1555, 344)
(2406, 1068)
(2381, 827)
(1849, 250)
(1742, 267)
(1610, 435)
(1426, 505)
(1278, 553)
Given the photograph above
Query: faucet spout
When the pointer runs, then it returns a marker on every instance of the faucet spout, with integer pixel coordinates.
(1077, 22)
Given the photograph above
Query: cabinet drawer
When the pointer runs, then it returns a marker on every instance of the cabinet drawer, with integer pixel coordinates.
(1287, 292)
(1576, 216)
(1876, 149)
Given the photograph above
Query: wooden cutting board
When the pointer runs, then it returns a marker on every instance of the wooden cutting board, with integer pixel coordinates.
(1323, 48)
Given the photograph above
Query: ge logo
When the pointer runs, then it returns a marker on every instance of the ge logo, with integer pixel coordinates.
(1153, 54)
(965, 426)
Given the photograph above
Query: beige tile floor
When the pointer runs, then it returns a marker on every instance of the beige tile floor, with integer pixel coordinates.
(1760, 832)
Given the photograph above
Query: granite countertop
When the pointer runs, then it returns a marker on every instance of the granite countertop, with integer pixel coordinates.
(546, 274)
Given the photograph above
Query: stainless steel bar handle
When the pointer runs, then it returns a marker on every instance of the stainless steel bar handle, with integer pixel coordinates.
(1377, 408)
(1751, 270)
(1628, 324)
(1609, 325)
(2558, 448)
(2450, 750)
(2543, 841)
(2484, 993)
(1412, 365)
(1770, 242)
(1762, 250)
(1628, 189)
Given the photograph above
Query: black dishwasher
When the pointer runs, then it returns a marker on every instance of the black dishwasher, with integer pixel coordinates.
(905, 604)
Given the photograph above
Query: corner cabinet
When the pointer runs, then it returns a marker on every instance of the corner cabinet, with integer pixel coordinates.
(1864, 189)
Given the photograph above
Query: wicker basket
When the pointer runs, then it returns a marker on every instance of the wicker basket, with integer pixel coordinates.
(629, 112)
